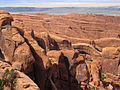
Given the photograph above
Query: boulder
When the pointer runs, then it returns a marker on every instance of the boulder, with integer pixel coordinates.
(110, 66)
(95, 72)
(7, 44)
(111, 53)
(110, 60)
(23, 55)
(82, 73)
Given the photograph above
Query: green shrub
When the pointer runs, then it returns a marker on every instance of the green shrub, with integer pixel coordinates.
(103, 76)
(7, 79)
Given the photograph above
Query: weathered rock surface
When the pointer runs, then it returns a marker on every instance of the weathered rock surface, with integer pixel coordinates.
(22, 82)
(84, 26)
(82, 73)
(87, 49)
(111, 60)
(68, 52)
(62, 42)
(5, 18)
(108, 42)
(24, 56)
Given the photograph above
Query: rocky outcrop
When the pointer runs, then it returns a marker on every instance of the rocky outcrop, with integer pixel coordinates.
(107, 42)
(54, 56)
(111, 57)
(87, 49)
(62, 42)
(24, 56)
(7, 44)
(22, 82)
(5, 19)
(60, 52)
(45, 41)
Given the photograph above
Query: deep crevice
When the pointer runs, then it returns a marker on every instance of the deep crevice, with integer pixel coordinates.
(38, 67)
(40, 41)
(1, 55)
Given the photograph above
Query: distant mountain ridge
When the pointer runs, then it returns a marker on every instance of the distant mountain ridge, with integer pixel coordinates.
(65, 10)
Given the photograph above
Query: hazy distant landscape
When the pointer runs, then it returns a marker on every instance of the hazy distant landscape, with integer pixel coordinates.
(113, 10)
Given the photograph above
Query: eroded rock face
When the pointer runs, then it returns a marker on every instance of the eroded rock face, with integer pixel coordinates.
(59, 52)
(75, 26)
(5, 18)
(111, 60)
(17, 38)
(96, 72)
(45, 41)
(22, 82)
(87, 49)
(82, 73)
(6, 44)
(62, 42)
(24, 56)
(108, 42)
(54, 56)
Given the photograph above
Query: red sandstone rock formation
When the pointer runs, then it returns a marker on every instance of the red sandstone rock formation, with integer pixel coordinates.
(67, 52)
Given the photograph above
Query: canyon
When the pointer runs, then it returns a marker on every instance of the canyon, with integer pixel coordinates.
(61, 52)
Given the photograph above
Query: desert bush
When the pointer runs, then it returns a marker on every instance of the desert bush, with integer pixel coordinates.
(103, 76)
(7, 79)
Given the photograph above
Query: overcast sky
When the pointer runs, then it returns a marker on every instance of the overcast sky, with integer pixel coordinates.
(39, 1)
(53, 2)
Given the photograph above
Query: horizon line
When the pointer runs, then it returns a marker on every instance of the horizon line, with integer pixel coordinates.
(45, 5)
